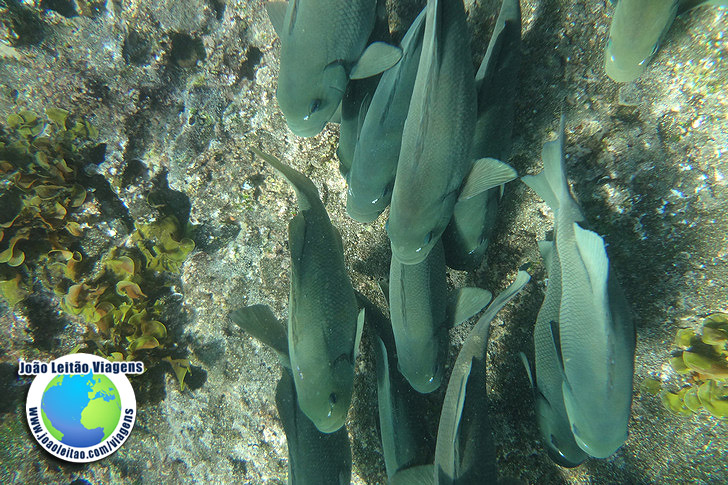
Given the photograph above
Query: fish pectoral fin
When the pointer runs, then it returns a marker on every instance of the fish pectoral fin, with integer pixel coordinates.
(529, 372)
(359, 329)
(376, 58)
(277, 15)
(296, 236)
(464, 303)
(486, 174)
(594, 256)
(259, 321)
(556, 340)
(414, 475)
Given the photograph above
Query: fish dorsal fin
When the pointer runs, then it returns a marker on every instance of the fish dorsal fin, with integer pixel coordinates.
(486, 174)
(454, 434)
(378, 57)
(359, 329)
(594, 257)
(509, 17)
(277, 15)
(259, 321)
(466, 302)
(296, 236)
(415, 475)
(546, 248)
(527, 366)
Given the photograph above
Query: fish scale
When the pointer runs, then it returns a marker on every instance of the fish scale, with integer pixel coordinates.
(435, 152)
(418, 301)
(595, 328)
(324, 321)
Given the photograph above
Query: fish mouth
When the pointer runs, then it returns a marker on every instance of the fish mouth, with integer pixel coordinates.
(621, 75)
(305, 129)
(410, 257)
(426, 387)
(329, 426)
(361, 216)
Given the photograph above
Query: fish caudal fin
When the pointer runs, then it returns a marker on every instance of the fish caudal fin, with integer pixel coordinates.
(551, 184)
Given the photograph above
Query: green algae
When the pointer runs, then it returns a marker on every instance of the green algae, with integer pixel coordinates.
(703, 359)
(41, 240)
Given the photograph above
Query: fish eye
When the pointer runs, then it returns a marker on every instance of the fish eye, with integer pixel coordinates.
(315, 105)
(332, 398)
(428, 237)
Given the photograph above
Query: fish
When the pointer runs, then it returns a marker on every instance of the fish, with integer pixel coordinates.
(306, 444)
(314, 458)
(434, 156)
(376, 152)
(593, 333)
(406, 441)
(354, 105)
(464, 452)
(325, 323)
(421, 315)
(553, 421)
(357, 97)
(467, 236)
(637, 30)
(323, 46)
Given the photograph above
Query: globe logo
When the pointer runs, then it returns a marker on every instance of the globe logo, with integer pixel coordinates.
(80, 407)
(81, 410)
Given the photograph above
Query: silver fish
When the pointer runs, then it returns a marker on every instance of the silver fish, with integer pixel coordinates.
(637, 29)
(306, 444)
(468, 233)
(377, 150)
(593, 331)
(422, 315)
(465, 453)
(322, 47)
(324, 324)
(434, 156)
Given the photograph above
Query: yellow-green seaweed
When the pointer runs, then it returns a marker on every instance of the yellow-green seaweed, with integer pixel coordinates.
(703, 359)
(39, 238)
(674, 402)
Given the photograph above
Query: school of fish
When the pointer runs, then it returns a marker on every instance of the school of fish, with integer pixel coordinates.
(423, 132)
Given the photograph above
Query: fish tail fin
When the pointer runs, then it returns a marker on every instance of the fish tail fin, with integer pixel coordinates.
(551, 184)
(259, 321)
(306, 191)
